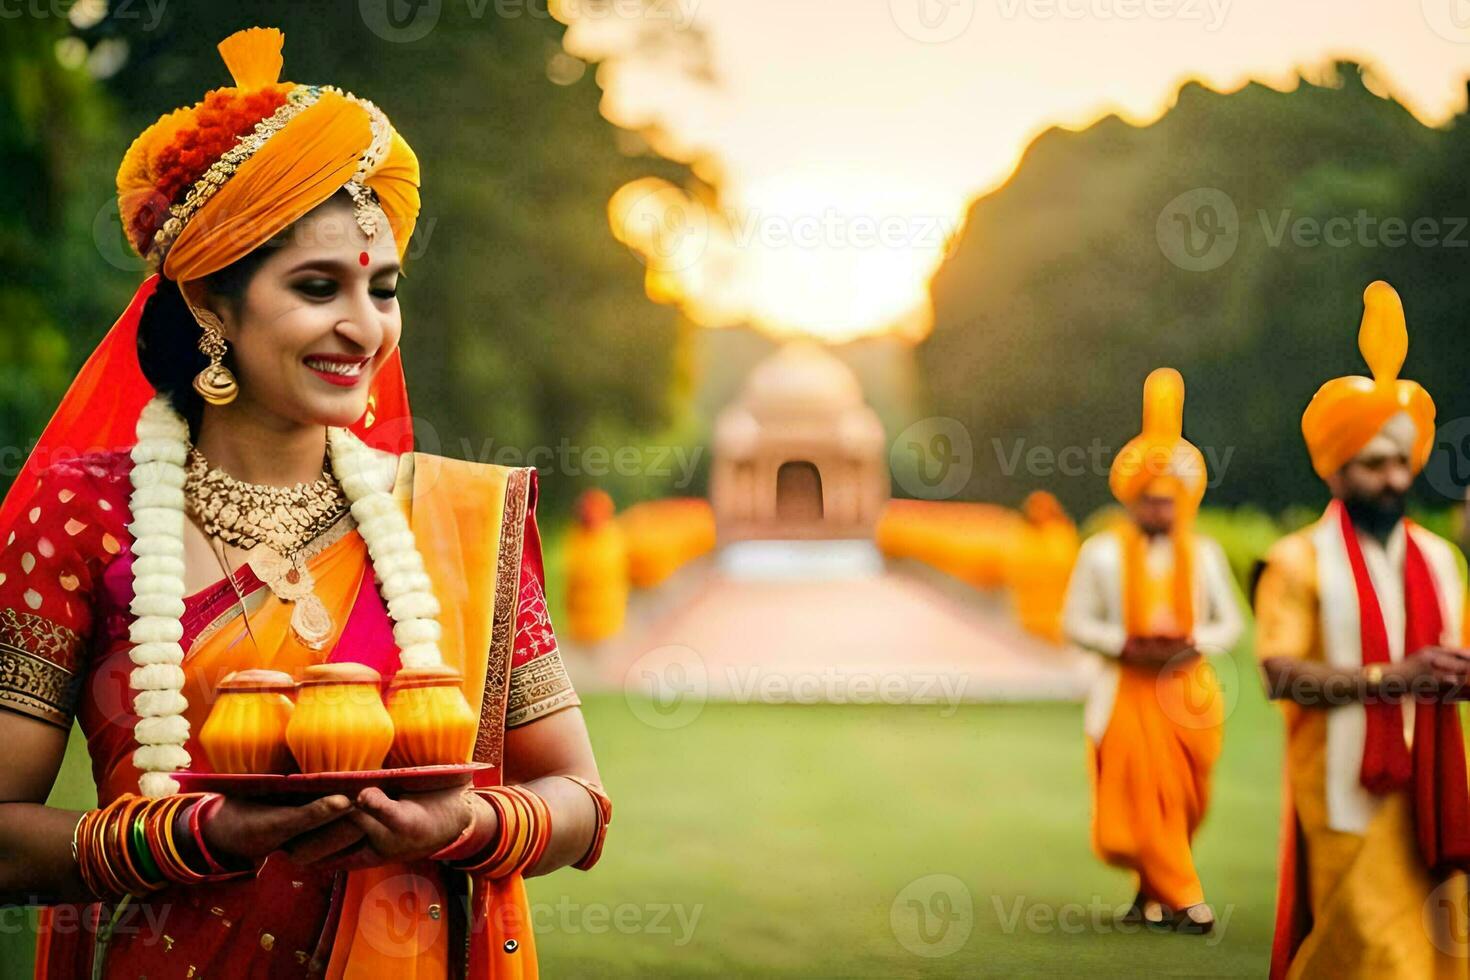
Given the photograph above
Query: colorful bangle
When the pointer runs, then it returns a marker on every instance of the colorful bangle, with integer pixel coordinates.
(130, 846)
(525, 830)
(603, 803)
(197, 815)
(144, 856)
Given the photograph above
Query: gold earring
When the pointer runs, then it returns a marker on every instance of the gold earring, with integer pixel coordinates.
(215, 383)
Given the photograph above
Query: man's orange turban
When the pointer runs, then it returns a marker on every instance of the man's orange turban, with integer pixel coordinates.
(1159, 459)
(1346, 413)
(208, 183)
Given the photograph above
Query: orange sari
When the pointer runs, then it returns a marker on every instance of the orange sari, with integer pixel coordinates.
(417, 921)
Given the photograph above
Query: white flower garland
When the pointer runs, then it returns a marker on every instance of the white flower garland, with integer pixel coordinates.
(157, 504)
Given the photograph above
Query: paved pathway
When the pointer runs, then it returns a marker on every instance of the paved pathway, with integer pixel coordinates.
(906, 635)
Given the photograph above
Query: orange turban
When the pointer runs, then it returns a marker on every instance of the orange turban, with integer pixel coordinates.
(1159, 459)
(207, 184)
(1346, 413)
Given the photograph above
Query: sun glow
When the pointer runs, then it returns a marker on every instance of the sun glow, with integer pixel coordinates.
(836, 157)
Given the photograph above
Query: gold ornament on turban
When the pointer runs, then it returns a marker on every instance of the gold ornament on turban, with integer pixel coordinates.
(1346, 413)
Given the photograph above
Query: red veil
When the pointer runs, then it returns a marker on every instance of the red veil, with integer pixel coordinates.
(100, 410)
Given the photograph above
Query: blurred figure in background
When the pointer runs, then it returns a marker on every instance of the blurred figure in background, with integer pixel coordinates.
(1038, 569)
(1352, 617)
(597, 570)
(1150, 595)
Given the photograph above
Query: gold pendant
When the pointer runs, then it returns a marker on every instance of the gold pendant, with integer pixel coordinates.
(291, 581)
(311, 622)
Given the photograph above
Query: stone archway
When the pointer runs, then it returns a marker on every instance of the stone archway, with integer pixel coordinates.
(798, 492)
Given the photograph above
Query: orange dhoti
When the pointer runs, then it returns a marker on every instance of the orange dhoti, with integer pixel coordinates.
(1151, 776)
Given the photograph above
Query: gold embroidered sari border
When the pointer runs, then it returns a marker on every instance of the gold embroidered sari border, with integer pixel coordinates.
(539, 688)
(490, 742)
(37, 687)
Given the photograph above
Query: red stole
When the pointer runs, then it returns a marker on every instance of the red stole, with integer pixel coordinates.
(1435, 769)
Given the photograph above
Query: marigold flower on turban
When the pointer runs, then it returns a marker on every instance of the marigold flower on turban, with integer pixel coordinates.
(1159, 460)
(1346, 413)
(257, 156)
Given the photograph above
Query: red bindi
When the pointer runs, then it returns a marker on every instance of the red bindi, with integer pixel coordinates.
(362, 258)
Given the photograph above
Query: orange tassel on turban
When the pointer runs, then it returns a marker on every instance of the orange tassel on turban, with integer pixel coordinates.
(1346, 413)
(1159, 459)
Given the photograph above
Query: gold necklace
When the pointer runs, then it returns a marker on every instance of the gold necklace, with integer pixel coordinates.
(248, 514)
(273, 525)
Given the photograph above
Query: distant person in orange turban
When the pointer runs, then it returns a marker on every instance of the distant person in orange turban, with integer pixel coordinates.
(1151, 596)
(1357, 621)
(597, 570)
(1038, 568)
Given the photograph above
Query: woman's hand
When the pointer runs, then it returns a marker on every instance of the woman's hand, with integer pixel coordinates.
(411, 827)
(245, 831)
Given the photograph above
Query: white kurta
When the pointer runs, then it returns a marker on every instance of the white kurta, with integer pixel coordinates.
(1093, 614)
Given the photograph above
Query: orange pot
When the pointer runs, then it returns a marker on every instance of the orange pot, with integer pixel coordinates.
(246, 728)
(340, 724)
(433, 724)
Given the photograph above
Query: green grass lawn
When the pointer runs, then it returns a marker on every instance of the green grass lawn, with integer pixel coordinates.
(774, 840)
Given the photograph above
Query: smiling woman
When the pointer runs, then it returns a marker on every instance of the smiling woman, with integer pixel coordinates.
(229, 486)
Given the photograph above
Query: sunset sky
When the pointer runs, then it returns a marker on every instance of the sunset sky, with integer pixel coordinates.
(846, 138)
